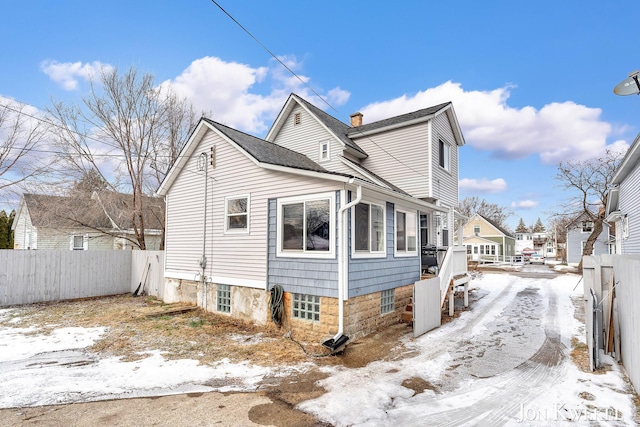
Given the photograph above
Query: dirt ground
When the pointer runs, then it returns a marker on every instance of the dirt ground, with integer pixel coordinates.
(183, 331)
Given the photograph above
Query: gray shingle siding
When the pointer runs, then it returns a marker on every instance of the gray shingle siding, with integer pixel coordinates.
(320, 276)
(300, 275)
(374, 275)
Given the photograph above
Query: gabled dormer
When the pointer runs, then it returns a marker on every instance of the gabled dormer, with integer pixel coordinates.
(303, 127)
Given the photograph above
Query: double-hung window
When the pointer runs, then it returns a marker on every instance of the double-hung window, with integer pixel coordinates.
(406, 241)
(368, 229)
(444, 155)
(236, 214)
(324, 151)
(306, 226)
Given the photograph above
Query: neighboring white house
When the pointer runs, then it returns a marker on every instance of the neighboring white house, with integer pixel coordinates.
(100, 222)
(317, 213)
(543, 243)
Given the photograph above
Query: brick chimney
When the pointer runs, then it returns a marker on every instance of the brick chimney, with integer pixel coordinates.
(356, 119)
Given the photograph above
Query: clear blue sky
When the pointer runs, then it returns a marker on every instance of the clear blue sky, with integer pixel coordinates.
(531, 82)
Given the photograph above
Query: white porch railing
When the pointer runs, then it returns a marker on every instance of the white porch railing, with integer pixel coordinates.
(427, 304)
(454, 264)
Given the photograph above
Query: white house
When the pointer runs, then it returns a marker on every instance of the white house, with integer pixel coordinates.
(327, 217)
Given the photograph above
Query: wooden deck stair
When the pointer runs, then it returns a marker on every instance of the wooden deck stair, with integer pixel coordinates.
(407, 314)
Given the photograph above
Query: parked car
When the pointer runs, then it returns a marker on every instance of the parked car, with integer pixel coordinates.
(536, 259)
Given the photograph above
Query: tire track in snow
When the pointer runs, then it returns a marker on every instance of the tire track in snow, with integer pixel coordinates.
(502, 395)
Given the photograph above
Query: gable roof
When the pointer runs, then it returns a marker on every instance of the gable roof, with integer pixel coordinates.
(263, 153)
(65, 212)
(497, 226)
(109, 210)
(268, 152)
(334, 126)
(345, 133)
(119, 208)
(411, 118)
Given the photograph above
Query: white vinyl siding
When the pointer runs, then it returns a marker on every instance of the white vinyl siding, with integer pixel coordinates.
(629, 204)
(235, 257)
(23, 234)
(397, 156)
(237, 214)
(444, 182)
(306, 137)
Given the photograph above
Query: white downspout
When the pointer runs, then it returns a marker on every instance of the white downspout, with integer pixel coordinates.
(343, 262)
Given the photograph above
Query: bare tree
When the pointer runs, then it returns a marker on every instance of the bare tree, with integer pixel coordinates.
(588, 183)
(470, 206)
(20, 134)
(125, 132)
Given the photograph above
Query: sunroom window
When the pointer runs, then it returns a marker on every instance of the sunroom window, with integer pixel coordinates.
(406, 242)
(306, 226)
(368, 228)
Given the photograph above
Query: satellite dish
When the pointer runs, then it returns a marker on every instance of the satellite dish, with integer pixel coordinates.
(629, 86)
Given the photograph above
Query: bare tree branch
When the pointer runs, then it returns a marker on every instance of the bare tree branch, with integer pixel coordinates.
(587, 183)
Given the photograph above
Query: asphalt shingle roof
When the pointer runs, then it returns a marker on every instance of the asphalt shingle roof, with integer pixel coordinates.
(398, 119)
(268, 152)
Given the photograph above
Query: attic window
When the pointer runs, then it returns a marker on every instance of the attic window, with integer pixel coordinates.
(587, 226)
(476, 230)
(297, 118)
(324, 150)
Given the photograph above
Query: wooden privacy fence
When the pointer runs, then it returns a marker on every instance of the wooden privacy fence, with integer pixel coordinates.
(614, 281)
(27, 277)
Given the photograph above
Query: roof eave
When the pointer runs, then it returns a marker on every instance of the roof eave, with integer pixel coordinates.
(629, 161)
(183, 157)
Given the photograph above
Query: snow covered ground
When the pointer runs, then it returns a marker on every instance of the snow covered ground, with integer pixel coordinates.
(504, 362)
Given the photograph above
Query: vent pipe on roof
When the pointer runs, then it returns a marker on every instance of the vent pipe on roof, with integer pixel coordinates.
(356, 119)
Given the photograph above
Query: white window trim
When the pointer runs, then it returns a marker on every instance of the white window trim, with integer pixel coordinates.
(447, 158)
(228, 230)
(320, 144)
(85, 242)
(625, 227)
(369, 254)
(332, 227)
(404, 253)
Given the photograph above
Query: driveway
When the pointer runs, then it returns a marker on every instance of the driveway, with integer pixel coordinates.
(512, 358)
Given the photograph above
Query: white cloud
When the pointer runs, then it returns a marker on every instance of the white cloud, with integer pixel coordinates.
(67, 74)
(482, 185)
(555, 132)
(524, 204)
(228, 93)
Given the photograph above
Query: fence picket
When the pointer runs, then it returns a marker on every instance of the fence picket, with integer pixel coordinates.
(28, 277)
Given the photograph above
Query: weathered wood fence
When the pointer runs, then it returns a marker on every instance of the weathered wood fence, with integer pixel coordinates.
(614, 281)
(28, 277)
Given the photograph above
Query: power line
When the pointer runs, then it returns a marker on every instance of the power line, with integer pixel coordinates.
(309, 87)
